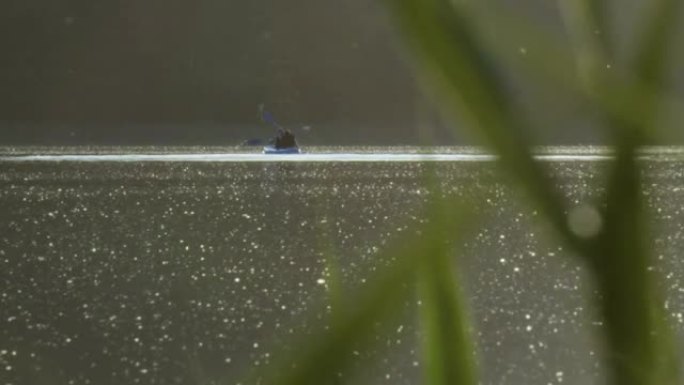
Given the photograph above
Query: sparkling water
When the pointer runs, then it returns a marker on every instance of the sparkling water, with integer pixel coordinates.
(199, 265)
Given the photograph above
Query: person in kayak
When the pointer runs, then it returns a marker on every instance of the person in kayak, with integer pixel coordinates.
(288, 139)
(285, 139)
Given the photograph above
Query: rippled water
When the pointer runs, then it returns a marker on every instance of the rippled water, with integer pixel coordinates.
(173, 270)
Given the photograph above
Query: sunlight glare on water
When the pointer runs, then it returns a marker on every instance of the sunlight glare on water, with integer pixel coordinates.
(181, 271)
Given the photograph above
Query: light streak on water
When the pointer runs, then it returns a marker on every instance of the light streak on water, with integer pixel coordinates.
(315, 157)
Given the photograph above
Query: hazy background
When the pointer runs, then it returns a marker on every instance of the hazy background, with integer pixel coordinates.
(195, 72)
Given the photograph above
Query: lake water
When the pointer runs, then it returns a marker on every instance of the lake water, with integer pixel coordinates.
(195, 265)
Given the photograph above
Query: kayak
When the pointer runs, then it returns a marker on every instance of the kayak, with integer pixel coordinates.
(286, 150)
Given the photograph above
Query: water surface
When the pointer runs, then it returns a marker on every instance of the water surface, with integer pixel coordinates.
(195, 265)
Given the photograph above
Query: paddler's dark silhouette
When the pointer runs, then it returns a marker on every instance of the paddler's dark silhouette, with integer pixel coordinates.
(285, 139)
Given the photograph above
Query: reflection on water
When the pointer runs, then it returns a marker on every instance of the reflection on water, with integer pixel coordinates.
(177, 272)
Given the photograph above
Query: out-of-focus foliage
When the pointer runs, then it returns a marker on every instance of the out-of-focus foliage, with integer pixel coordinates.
(458, 62)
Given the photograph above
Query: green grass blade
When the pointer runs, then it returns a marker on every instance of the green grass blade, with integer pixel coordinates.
(586, 23)
(452, 59)
(656, 42)
(621, 97)
(330, 354)
(638, 352)
(320, 359)
(651, 58)
(637, 332)
(448, 349)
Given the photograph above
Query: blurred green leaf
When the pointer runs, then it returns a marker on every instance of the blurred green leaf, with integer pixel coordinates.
(586, 22)
(651, 57)
(448, 351)
(656, 41)
(638, 347)
(452, 59)
(619, 96)
(650, 70)
(638, 351)
(636, 327)
(320, 359)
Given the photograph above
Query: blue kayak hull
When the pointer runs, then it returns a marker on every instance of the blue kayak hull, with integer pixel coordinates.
(288, 150)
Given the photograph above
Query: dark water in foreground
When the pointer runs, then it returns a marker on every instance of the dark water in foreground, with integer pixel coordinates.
(193, 273)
